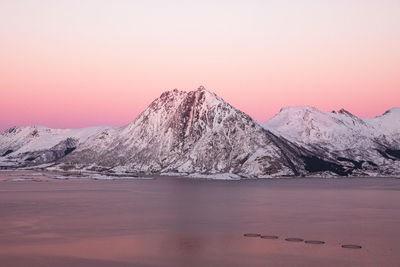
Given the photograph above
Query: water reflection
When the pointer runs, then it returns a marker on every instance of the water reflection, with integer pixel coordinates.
(175, 222)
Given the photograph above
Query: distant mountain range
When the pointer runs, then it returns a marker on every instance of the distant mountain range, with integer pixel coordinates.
(197, 133)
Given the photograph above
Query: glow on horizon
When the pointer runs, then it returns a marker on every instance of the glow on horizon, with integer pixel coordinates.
(83, 63)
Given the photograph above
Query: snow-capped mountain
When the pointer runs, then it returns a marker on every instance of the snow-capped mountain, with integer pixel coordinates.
(198, 134)
(188, 132)
(33, 145)
(368, 146)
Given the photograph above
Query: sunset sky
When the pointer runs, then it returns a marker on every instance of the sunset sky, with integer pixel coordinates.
(83, 63)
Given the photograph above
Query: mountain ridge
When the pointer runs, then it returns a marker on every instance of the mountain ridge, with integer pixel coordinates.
(197, 132)
(369, 145)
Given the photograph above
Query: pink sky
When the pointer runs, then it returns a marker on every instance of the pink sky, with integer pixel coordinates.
(83, 63)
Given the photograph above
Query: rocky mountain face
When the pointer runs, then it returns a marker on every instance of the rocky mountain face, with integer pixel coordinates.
(198, 134)
(188, 132)
(361, 146)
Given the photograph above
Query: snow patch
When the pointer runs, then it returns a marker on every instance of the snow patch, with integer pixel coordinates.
(216, 176)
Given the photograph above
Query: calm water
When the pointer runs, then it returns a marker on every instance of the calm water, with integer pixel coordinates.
(186, 222)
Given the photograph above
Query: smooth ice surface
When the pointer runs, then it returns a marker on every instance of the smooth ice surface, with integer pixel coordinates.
(197, 222)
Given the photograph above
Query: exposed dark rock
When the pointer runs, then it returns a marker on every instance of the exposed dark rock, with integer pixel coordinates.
(69, 150)
(383, 154)
(7, 152)
(357, 164)
(315, 164)
(12, 130)
(35, 133)
(393, 152)
(372, 163)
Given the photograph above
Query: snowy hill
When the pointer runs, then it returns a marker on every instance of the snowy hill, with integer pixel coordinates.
(188, 132)
(387, 125)
(30, 145)
(370, 145)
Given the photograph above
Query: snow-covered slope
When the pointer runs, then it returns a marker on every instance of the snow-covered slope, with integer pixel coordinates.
(372, 146)
(31, 145)
(188, 132)
(387, 125)
(310, 126)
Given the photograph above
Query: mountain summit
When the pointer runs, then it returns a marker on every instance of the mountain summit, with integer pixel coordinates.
(187, 132)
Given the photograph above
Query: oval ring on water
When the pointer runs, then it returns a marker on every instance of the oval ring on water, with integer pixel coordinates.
(252, 235)
(352, 246)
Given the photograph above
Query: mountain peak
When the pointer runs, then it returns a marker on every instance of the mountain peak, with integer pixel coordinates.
(345, 112)
(392, 111)
(199, 96)
(171, 93)
(24, 130)
(201, 88)
(298, 109)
